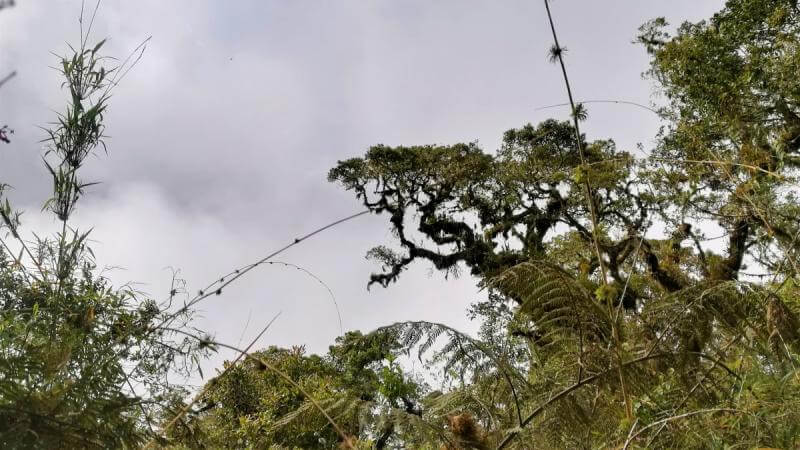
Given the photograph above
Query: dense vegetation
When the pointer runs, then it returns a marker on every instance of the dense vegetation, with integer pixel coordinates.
(74, 349)
(636, 299)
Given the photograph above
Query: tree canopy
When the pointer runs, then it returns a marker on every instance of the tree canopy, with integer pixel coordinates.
(635, 278)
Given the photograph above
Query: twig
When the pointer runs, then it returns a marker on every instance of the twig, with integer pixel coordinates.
(216, 287)
(719, 163)
(633, 427)
(246, 324)
(85, 38)
(559, 54)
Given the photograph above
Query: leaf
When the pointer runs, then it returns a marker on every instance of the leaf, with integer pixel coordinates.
(99, 44)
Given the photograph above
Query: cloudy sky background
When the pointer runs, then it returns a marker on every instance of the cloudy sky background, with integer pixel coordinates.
(222, 136)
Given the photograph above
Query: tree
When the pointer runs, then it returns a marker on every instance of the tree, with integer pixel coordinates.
(357, 382)
(634, 326)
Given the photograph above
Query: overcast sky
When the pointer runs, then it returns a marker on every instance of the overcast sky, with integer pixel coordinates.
(222, 136)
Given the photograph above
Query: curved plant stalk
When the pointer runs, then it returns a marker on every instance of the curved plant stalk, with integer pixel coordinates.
(319, 280)
(215, 288)
(618, 102)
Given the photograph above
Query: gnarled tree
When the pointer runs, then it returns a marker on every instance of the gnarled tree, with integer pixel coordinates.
(663, 282)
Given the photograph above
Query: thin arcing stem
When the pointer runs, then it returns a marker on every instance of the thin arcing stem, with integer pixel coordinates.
(619, 102)
(85, 38)
(224, 281)
(217, 286)
(125, 67)
(319, 280)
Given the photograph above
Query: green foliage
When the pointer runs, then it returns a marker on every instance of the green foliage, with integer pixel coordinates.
(601, 329)
(84, 364)
(250, 403)
(358, 383)
(70, 353)
(612, 320)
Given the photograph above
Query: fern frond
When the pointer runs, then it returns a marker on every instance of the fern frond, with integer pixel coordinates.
(686, 320)
(459, 351)
(556, 305)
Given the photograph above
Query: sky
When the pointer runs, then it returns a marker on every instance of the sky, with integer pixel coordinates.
(222, 135)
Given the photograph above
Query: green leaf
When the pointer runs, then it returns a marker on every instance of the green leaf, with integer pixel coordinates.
(99, 44)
